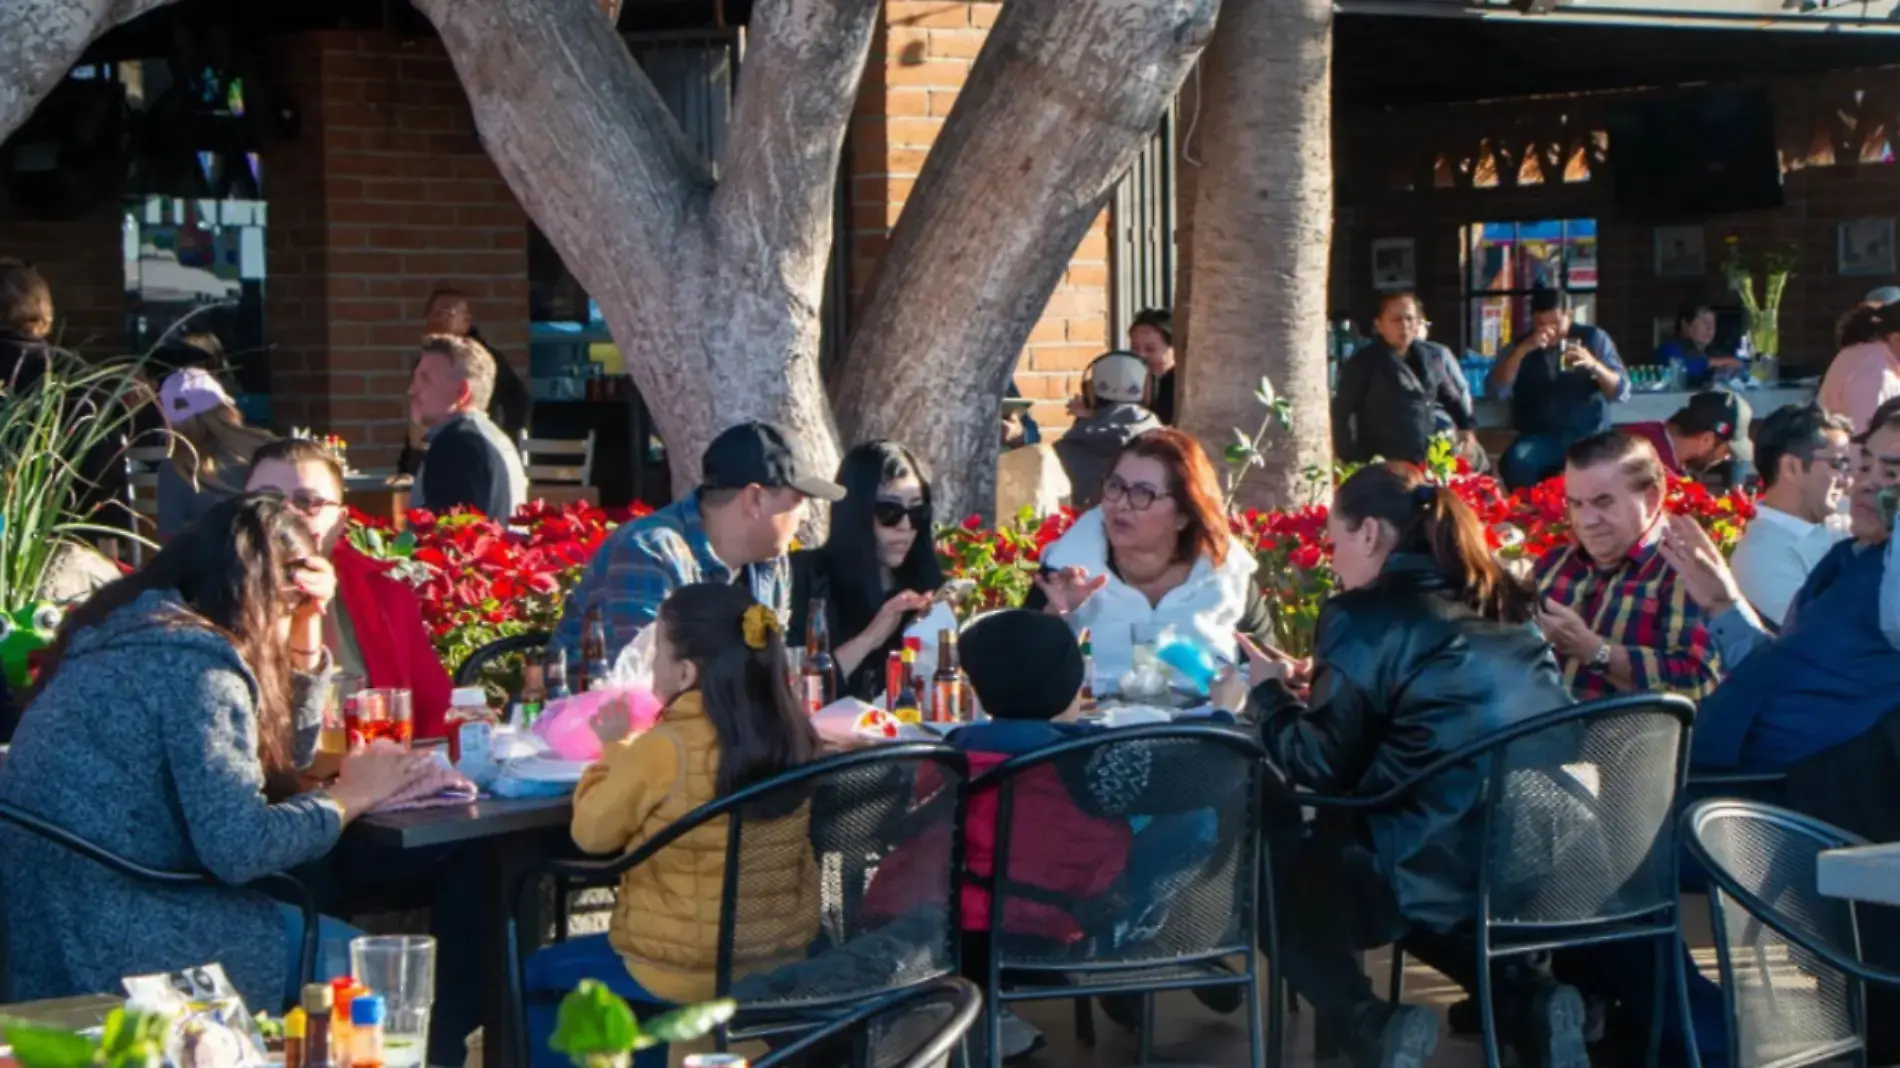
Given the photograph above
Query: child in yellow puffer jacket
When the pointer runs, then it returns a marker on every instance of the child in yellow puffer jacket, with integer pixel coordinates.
(730, 720)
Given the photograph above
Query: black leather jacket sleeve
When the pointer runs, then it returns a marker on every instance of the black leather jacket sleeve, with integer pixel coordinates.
(1322, 744)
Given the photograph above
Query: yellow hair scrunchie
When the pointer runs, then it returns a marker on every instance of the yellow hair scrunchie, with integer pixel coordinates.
(758, 624)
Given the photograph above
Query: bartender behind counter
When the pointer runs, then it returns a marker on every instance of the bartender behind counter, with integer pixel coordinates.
(1561, 380)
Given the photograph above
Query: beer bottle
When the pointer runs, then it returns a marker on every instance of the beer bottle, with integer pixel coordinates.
(946, 703)
(819, 668)
(594, 667)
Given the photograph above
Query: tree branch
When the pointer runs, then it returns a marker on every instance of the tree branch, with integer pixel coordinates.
(1054, 110)
(578, 132)
(41, 42)
(774, 203)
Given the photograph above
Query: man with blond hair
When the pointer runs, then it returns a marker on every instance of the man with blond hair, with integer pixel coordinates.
(469, 462)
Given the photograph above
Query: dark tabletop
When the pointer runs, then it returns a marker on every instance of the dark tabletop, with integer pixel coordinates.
(488, 818)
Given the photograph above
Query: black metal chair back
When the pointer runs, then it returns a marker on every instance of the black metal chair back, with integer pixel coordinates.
(1126, 862)
(1793, 981)
(17, 818)
(819, 835)
(918, 1028)
(469, 671)
(1578, 831)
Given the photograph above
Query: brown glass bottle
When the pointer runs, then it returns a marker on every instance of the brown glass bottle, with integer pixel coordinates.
(819, 669)
(946, 697)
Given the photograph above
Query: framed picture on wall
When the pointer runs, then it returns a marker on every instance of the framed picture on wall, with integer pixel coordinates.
(1866, 247)
(1681, 252)
(1394, 263)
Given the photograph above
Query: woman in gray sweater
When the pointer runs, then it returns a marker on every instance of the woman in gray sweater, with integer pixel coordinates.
(164, 730)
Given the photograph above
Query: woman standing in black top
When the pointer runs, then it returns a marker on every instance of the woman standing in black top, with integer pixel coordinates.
(878, 568)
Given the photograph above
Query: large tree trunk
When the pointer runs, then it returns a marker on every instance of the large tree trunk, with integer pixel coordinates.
(1261, 232)
(40, 40)
(1056, 107)
(712, 291)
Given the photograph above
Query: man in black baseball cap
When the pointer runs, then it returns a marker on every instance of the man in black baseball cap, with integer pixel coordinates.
(756, 454)
(1710, 430)
(736, 527)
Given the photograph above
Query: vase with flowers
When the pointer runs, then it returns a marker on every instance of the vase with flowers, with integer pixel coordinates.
(1760, 282)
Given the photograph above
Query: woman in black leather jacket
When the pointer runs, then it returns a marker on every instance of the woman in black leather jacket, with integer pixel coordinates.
(1429, 647)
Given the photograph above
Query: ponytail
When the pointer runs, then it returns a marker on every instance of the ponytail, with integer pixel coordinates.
(740, 650)
(1433, 521)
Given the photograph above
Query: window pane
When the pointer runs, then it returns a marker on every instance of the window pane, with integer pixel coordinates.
(1490, 257)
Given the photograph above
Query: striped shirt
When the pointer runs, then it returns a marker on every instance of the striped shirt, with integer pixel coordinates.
(1637, 604)
(644, 561)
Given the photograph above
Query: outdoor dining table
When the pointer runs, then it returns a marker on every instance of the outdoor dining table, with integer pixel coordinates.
(1868, 873)
(509, 836)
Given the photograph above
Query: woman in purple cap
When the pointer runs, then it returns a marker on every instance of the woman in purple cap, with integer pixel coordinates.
(210, 446)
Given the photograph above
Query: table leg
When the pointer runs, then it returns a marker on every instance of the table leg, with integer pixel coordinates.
(503, 862)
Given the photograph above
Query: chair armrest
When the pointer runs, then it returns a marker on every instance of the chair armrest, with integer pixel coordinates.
(1735, 778)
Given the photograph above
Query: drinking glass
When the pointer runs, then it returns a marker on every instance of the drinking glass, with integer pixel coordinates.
(401, 968)
(380, 713)
(333, 737)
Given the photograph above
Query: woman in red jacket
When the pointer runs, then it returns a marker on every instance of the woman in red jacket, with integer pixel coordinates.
(375, 626)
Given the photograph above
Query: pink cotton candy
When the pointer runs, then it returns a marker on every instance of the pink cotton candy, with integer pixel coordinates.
(567, 725)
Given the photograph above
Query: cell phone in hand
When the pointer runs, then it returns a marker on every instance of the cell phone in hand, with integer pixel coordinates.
(1888, 502)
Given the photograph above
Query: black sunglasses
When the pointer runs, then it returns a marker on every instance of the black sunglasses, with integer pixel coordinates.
(892, 514)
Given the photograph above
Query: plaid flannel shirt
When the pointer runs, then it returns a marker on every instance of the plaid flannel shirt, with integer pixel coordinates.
(644, 561)
(1639, 605)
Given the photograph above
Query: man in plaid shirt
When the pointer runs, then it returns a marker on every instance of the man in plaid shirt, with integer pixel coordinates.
(736, 527)
(1613, 608)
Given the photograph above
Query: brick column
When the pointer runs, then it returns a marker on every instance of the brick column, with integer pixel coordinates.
(919, 61)
(385, 195)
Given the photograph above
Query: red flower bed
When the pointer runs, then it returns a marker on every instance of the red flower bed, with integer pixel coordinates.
(480, 580)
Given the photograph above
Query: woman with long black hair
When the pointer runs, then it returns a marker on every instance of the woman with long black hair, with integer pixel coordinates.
(166, 730)
(877, 570)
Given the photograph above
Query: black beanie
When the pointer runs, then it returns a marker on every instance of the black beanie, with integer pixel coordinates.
(1022, 665)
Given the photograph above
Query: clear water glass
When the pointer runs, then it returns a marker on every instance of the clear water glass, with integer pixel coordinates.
(402, 969)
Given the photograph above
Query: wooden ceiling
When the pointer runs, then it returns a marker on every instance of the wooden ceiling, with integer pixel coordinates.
(1383, 62)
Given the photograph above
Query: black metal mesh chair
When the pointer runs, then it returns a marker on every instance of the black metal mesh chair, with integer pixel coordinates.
(880, 826)
(920, 1028)
(1793, 981)
(282, 884)
(1579, 837)
(469, 671)
(1126, 862)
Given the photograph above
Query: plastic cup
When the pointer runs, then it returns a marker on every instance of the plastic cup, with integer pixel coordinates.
(401, 968)
(380, 714)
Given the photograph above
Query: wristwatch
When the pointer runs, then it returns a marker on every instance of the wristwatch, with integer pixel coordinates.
(1600, 660)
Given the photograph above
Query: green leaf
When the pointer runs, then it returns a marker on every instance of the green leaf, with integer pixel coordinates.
(593, 1020)
(1264, 393)
(35, 1046)
(1238, 455)
(684, 1025)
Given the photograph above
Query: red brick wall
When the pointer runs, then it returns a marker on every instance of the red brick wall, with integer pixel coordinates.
(919, 61)
(384, 196)
(83, 263)
(1371, 148)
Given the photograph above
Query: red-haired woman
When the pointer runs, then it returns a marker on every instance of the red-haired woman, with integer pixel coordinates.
(1157, 552)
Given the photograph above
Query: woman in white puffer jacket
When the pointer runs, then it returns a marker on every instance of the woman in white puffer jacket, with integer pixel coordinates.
(1157, 551)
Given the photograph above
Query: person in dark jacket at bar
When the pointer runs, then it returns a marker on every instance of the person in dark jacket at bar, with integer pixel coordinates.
(1561, 379)
(1394, 392)
(511, 405)
(470, 463)
(1429, 647)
